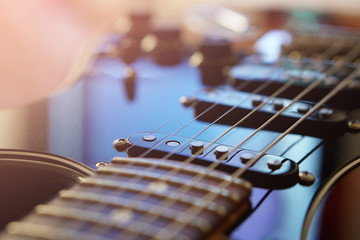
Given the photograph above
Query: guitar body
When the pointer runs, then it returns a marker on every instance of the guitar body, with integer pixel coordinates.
(30, 178)
(82, 122)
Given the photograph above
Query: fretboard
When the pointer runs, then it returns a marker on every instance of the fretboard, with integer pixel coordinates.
(140, 199)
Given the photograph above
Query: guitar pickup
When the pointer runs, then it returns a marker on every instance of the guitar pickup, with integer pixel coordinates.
(255, 75)
(229, 107)
(273, 172)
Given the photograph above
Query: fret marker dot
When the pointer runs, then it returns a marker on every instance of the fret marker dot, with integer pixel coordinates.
(158, 187)
(122, 216)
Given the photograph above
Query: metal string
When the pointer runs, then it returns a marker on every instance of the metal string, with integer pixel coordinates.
(145, 194)
(172, 172)
(211, 196)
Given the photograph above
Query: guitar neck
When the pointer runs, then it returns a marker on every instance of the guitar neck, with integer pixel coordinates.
(140, 198)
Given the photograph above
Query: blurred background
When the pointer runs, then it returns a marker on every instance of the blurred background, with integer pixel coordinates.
(46, 43)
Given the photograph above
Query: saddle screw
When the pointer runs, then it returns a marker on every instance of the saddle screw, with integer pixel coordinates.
(121, 144)
(101, 164)
(354, 124)
(306, 178)
(187, 101)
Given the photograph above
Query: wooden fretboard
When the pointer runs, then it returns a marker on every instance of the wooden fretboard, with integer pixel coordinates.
(139, 199)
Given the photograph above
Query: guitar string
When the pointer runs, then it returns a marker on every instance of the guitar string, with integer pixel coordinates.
(256, 91)
(238, 88)
(209, 169)
(212, 106)
(209, 197)
(171, 172)
(241, 86)
(344, 83)
(192, 106)
(138, 179)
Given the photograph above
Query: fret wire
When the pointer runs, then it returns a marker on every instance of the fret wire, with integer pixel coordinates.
(114, 202)
(177, 198)
(141, 190)
(95, 217)
(135, 205)
(214, 207)
(212, 166)
(192, 170)
(178, 181)
(35, 230)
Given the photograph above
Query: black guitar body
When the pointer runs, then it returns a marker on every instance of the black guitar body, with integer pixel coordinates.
(30, 178)
(82, 122)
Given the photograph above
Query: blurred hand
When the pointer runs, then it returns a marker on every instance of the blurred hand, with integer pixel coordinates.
(39, 42)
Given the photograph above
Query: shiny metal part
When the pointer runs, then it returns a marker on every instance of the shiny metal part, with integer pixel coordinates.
(274, 164)
(101, 164)
(149, 138)
(354, 124)
(306, 178)
(222, 152)
(187, 101)
(325, 113)
(121, 144)
(197, 147)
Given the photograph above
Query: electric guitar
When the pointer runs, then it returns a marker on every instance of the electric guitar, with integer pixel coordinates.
(255, 149)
